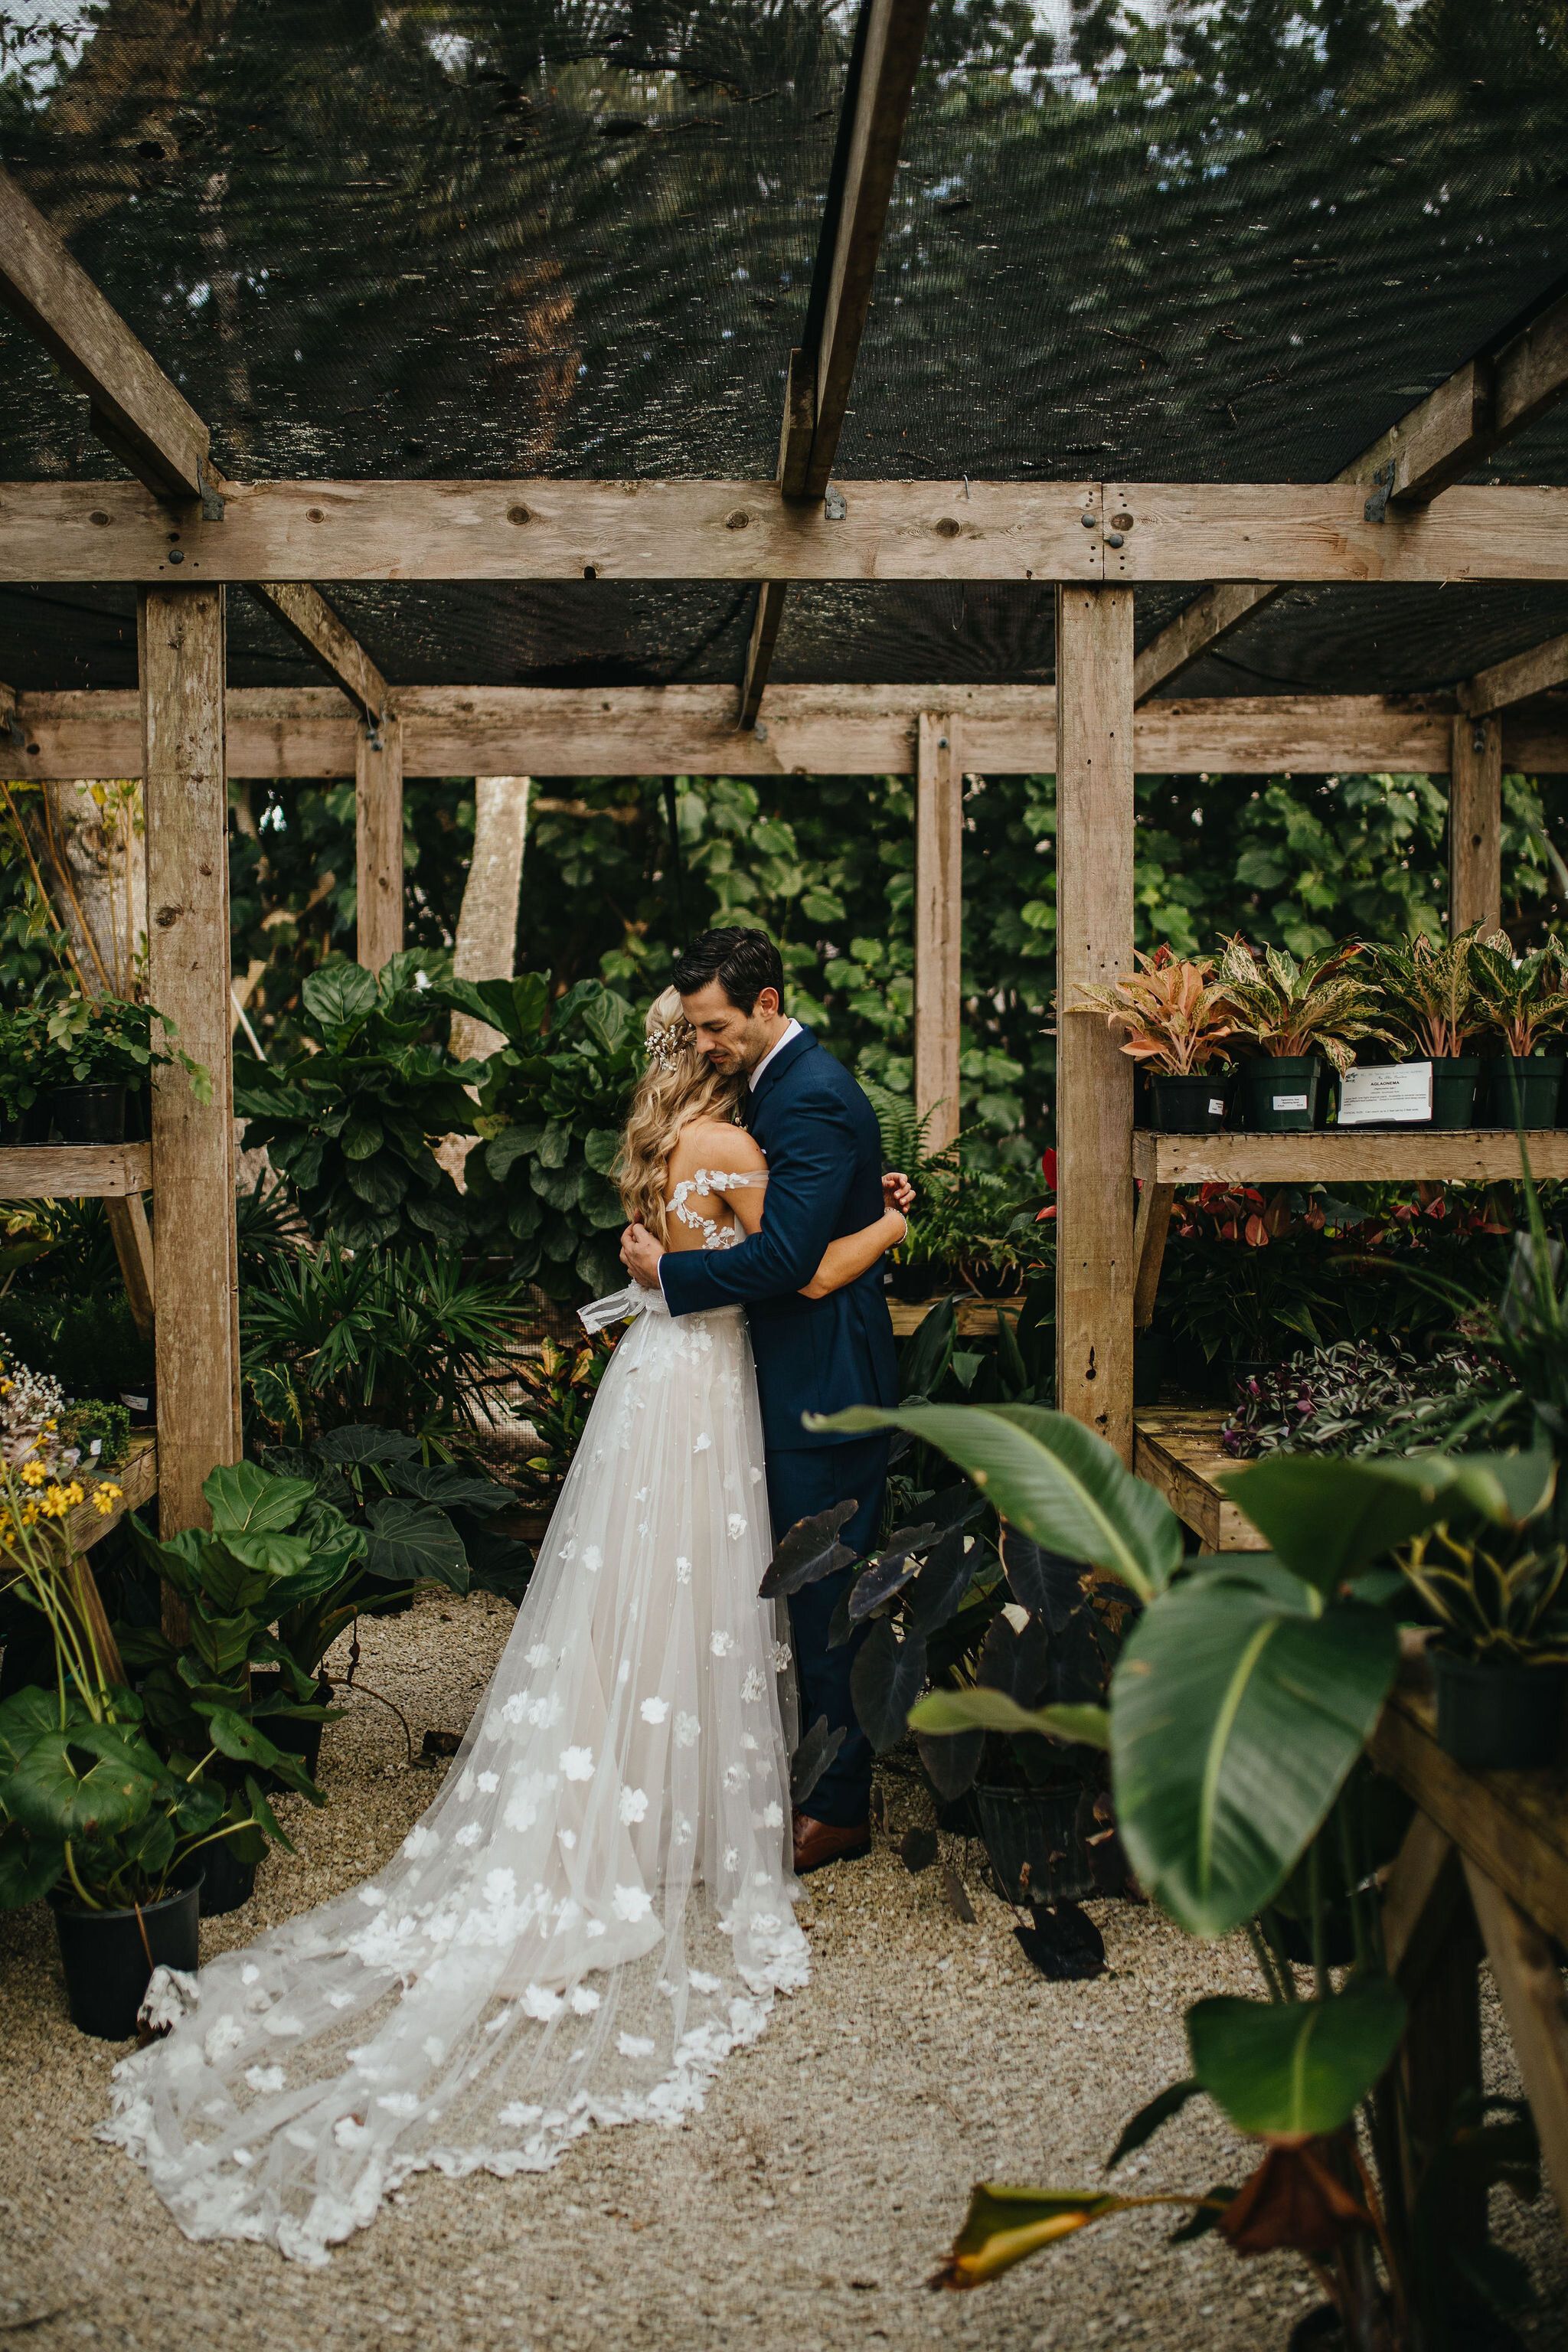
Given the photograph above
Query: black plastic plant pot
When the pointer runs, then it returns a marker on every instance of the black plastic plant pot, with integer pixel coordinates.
(229, 1882)
(30, 1125)
(110, 1955)
(91, 1114)
(1455, 1077)
(1498, 1718)
(1187, 1105)
(1035, 1829)
(1281, 1092)
(1539, 1082)
(288, 1731)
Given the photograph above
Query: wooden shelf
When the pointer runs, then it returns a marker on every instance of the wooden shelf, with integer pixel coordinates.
(75, 1172)
(1176, 1448)
(1349, 1156)
(136, 1478)
(976, 1317)
(1511, 1825)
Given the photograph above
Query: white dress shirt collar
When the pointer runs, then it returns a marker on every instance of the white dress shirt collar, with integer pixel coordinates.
(792, 1030)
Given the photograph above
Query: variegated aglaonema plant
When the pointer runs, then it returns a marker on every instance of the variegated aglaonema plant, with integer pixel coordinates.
(1239, 1711)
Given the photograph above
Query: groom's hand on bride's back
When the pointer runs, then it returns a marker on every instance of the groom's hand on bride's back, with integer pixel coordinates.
(640, 1255)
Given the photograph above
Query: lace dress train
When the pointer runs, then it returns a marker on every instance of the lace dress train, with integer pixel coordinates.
(596, 1908)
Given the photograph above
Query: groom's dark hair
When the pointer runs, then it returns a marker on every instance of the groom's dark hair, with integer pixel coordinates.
(743, 962)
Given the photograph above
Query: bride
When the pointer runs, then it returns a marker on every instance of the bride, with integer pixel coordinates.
(596, 1908)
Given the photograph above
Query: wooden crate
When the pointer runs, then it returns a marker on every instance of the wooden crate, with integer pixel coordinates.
(1176, 1448)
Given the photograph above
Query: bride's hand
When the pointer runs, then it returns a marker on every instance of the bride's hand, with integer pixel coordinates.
(897, 1192)
(640, 1255)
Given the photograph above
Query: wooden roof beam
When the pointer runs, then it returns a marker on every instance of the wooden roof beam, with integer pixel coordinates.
(136, 410)
(885, 532)
(890, 36)
(1534, 671)
(311, 622)
(310, 732)
(148, 424)
(1435, 445)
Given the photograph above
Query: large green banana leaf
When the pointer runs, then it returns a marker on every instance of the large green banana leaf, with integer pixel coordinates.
(1234, 1722)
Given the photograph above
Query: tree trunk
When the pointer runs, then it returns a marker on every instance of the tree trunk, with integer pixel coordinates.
(487, 926)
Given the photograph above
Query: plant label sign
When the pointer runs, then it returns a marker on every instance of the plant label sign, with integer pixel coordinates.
(1376, 1097)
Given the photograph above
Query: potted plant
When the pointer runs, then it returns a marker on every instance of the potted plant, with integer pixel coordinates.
(103, 1048)
(1429, 991)
(1239, 1707)
(1522, 999)
(1178, 1020)
(29, 1065)
(1500, 1663)
(1298, 1016)
(113, 1829)
(275, 1548)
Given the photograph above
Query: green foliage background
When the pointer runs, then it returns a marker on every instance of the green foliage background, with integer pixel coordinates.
(828, 865)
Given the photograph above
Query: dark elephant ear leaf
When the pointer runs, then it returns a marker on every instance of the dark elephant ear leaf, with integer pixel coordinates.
(885, 1680)
(942, 1583)
(809, 1552)
(889, 1571)
(953, 1759)
(1045, 1582)
(812, 1759)
(356, 1444)
(1018, 1664)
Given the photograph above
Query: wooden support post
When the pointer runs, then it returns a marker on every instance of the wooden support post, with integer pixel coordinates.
(939, 924)
(132, 1240)
(180, 632)
(1094, 1078)
(1475, 824)
(1433, 1953)
(1530, 1983)
(378, 834)
(1150, 1233)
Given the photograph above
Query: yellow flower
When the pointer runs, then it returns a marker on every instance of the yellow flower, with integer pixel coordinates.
(75, 1492)
(30, 1515)
(33, 1473)
(104, 1498)
(56, 1503)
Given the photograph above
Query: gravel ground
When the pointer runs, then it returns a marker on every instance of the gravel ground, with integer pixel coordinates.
(805, 2207)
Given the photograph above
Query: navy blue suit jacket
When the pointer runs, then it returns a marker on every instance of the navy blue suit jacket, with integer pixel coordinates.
(824, 1180)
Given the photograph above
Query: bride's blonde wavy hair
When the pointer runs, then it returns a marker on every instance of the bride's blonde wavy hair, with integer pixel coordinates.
(679, 1085)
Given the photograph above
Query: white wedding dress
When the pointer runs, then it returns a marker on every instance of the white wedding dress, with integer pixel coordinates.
(595, 1910)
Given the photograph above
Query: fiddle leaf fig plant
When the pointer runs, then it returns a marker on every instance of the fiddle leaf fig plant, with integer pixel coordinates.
(352, 1122)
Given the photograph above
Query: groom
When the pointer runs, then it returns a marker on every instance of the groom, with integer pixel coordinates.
(813, 1355)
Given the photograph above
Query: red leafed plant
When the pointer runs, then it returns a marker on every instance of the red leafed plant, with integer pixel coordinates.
(1176, 1016)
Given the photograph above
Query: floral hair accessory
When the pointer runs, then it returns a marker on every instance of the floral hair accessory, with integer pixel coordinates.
(669, 1042)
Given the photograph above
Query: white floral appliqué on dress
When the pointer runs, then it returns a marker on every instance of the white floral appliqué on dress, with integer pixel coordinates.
(596, 1908)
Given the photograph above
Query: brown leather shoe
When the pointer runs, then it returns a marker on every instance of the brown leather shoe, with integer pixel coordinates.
(817, 1843)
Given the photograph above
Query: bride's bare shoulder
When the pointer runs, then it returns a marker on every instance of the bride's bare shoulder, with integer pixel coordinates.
(714, 1144)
